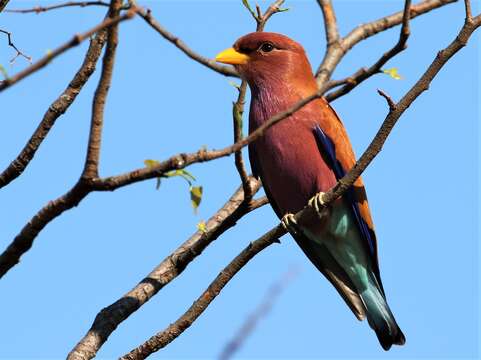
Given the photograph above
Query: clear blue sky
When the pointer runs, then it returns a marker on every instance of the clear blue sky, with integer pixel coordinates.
(423, 191)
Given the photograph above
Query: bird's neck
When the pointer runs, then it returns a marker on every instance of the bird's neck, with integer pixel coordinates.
(272, 96)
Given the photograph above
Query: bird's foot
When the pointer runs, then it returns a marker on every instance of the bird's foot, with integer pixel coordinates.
(289, 223)
(318, 204)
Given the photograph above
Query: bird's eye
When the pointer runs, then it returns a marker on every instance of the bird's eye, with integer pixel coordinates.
(266, 47)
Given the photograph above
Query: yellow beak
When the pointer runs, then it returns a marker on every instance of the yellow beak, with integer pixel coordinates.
(231, 56)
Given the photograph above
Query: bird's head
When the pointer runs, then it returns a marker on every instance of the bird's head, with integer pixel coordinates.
(266, 59)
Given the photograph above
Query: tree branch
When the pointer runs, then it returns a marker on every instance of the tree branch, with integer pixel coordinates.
(91, 168)
(172, 266)
(335, 53)
(11, 44)
(261, 19)
(363, 73)
(166, 336)
(330, 22)
(210, 63)
(55, 110)
(40, 9)
(76, 40)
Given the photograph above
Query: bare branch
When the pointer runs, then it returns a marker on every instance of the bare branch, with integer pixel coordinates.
(330, 22)
(11, 44)
(40, 9)
(335, 53)
(389, 100)
(210, 63)
(175, 329)
(91, 168)
(363, 73)
(55, 110)
(76, 40)
(166, 336)
(172, 266)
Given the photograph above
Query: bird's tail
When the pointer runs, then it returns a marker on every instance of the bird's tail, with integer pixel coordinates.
(380, 317)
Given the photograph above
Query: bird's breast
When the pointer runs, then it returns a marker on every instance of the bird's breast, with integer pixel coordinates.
(291, 166)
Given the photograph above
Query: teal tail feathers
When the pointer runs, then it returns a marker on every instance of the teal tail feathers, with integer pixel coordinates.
(380, 317)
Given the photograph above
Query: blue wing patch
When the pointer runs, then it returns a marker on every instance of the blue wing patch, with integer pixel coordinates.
(329, 148)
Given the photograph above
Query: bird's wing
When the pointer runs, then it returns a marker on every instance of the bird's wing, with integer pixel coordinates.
(334, 142)
(325, 263)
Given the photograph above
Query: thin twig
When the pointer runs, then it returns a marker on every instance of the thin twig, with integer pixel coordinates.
(11, 44)
(172, 266)
(41, 9)
(274, 8)
(363, 73)
(210, 63)
(166, 336)
(55, 110)
(76, 40)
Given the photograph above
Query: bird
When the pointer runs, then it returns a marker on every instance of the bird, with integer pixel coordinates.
(300, 158)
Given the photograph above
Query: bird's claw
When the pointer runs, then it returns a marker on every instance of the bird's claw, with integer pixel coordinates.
(289, 223)
(317, 204)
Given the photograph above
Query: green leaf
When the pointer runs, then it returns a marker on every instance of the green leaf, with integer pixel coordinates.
(237, 86)
(187, 176)
(392, 72)
(195, 196)
(202, 227)
(151, 163)
(4, 72)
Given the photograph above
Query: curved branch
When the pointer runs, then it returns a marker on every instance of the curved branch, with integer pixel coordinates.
(55, 110)
(172, 266)
(166, 336)
(210, 63)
